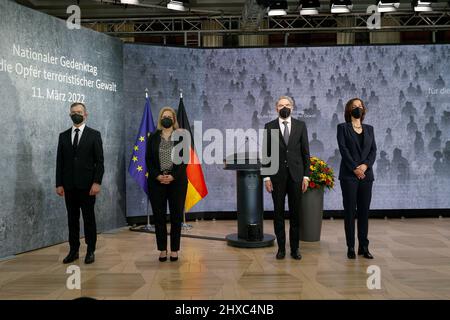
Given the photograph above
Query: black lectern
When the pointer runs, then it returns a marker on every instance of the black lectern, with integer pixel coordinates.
(249, 202)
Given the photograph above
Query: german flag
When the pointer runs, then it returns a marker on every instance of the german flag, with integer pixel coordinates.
(196, 190)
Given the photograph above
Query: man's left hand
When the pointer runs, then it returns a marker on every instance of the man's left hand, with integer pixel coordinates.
(95, 189)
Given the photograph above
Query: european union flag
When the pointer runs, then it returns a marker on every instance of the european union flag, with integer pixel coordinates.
(138, 168)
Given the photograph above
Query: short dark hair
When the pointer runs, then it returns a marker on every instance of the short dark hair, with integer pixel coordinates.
(78, 104)
(348, 110)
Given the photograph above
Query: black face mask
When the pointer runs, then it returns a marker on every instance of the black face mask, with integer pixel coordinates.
(166, 122)
(285, 112)
(357, 113)
(77, 118)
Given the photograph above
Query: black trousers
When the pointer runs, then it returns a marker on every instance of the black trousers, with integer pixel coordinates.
(281, 188)
(76, 200)
(161, 194)
(356, 195)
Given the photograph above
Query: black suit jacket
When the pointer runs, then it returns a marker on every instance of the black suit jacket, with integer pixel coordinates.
(80, 170)
(351, 152)
(295, 155)
(153, 164)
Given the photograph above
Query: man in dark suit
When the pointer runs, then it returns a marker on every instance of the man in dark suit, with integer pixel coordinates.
(79, 173)
(292, 176)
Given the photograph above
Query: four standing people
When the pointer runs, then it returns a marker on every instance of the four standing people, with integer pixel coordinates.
(358, 150)
(79, 172)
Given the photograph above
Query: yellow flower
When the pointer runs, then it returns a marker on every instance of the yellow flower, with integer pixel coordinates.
(311, 168)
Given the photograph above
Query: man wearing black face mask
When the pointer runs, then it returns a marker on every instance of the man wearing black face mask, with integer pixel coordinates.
(292, 177)
(79, 173)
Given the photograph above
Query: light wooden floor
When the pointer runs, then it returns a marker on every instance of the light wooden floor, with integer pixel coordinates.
(413, 254)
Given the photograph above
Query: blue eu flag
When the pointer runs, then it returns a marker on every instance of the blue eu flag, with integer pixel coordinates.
(138, 168)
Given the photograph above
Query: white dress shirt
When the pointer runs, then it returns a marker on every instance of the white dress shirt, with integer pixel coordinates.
(79, 133)
(280, 122)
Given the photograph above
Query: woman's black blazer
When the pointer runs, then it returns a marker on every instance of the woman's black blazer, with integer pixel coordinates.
(153, 164)
(351, 152)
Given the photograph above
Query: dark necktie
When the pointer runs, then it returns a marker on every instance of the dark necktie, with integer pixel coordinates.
(286, 132)
(75, 140)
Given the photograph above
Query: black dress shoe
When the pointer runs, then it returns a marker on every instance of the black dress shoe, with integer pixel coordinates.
(172, 258)
(162, 259)
(90, 258)
(296, 254)
(351, 253)
(71, 257)
(281, 254)
(364, 251)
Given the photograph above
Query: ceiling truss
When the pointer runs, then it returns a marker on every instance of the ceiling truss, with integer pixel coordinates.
(433, 21)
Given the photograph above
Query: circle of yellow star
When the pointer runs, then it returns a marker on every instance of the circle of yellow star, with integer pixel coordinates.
(139, 168)
(135, 159)
(141, 139)
(136, 148)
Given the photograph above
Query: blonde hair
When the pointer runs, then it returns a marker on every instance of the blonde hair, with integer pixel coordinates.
(174, 115)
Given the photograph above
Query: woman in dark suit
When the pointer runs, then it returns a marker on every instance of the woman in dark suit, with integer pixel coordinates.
(358, 150)
(167, 182)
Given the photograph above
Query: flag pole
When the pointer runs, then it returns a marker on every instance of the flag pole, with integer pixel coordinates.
(185, 226)
(148, 227)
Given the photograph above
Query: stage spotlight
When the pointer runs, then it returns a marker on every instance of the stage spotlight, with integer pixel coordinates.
(387, 6)
(177, 5)
(341, 6)
(129, 1)
(422, 6)
(278, 8)
(309, 7)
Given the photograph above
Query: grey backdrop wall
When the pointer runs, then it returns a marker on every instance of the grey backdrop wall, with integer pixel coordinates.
(405, 89)
(31, 214)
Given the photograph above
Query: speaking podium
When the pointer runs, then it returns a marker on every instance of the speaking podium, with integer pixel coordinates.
(250, 212)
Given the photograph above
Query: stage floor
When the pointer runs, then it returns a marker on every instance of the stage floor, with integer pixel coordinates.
(413, 255)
